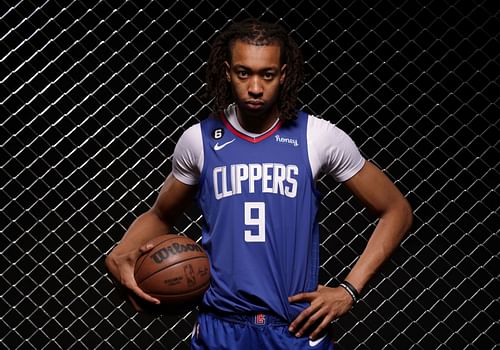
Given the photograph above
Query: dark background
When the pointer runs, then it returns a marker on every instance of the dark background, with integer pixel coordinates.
(94, 95)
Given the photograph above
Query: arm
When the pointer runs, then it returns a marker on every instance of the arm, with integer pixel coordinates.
(173, 198)
(375, 190)
(383, 198)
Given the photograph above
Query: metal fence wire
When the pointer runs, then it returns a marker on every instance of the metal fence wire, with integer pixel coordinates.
(94, 95)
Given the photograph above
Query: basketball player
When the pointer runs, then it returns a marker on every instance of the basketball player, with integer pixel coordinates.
(252, 167)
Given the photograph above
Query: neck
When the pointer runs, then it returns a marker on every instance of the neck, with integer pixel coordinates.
(256, 123)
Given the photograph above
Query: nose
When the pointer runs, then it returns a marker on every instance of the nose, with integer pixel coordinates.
(255, 88)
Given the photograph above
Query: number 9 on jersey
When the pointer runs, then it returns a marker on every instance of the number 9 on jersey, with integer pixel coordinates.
(255, 216)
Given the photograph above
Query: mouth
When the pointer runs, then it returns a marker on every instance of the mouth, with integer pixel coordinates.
(254, 104)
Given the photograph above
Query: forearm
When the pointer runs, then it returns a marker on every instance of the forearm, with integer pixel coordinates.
(388, 234)
(174, 197)
(145, 227)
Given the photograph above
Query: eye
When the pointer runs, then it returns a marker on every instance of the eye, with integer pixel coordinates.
(242, 74)
(269, 75)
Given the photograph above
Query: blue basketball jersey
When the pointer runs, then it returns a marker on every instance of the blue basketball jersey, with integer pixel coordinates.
(259, 204)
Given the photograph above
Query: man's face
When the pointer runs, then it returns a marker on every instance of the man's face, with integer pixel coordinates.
(255, 74)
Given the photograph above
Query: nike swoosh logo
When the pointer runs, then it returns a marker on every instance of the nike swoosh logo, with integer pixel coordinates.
(313, 343)
(218, 147)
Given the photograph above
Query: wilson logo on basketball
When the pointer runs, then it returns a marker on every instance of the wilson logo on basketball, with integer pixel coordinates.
(174, 249)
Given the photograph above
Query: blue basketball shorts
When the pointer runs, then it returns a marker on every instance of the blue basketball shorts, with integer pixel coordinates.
(259, 331)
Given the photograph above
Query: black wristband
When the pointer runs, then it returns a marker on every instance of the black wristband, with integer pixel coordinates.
(353, 292)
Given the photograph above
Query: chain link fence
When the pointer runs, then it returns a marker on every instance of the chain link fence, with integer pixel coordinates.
(94, 95)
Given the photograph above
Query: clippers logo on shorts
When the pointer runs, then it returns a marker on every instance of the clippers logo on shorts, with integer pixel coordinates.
(260, 319)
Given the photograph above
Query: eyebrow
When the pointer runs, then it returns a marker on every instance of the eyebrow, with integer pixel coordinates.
(241, 66)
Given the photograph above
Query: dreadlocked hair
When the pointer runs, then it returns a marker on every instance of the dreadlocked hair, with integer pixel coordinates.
(255, 32)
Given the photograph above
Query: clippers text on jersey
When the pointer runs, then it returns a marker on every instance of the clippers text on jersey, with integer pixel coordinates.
(254, 177)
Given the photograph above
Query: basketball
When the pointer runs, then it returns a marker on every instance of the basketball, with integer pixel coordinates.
(176, 271)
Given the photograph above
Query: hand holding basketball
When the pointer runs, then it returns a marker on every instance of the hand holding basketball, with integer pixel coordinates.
(176, 271)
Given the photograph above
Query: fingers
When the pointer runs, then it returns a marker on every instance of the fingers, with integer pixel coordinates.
(137, 307)
(121, 271)
(321, 327)
(146, 248)
(326, 304)
(308, 297)
(140, 293)
(302, 297)
(305, 318)
(132, 284)
(138, 299)
(313, 320)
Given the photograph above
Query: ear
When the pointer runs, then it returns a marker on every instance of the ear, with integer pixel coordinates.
(283, 74)
(227, 68)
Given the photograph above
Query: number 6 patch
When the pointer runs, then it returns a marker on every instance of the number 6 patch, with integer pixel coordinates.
(218, 133)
